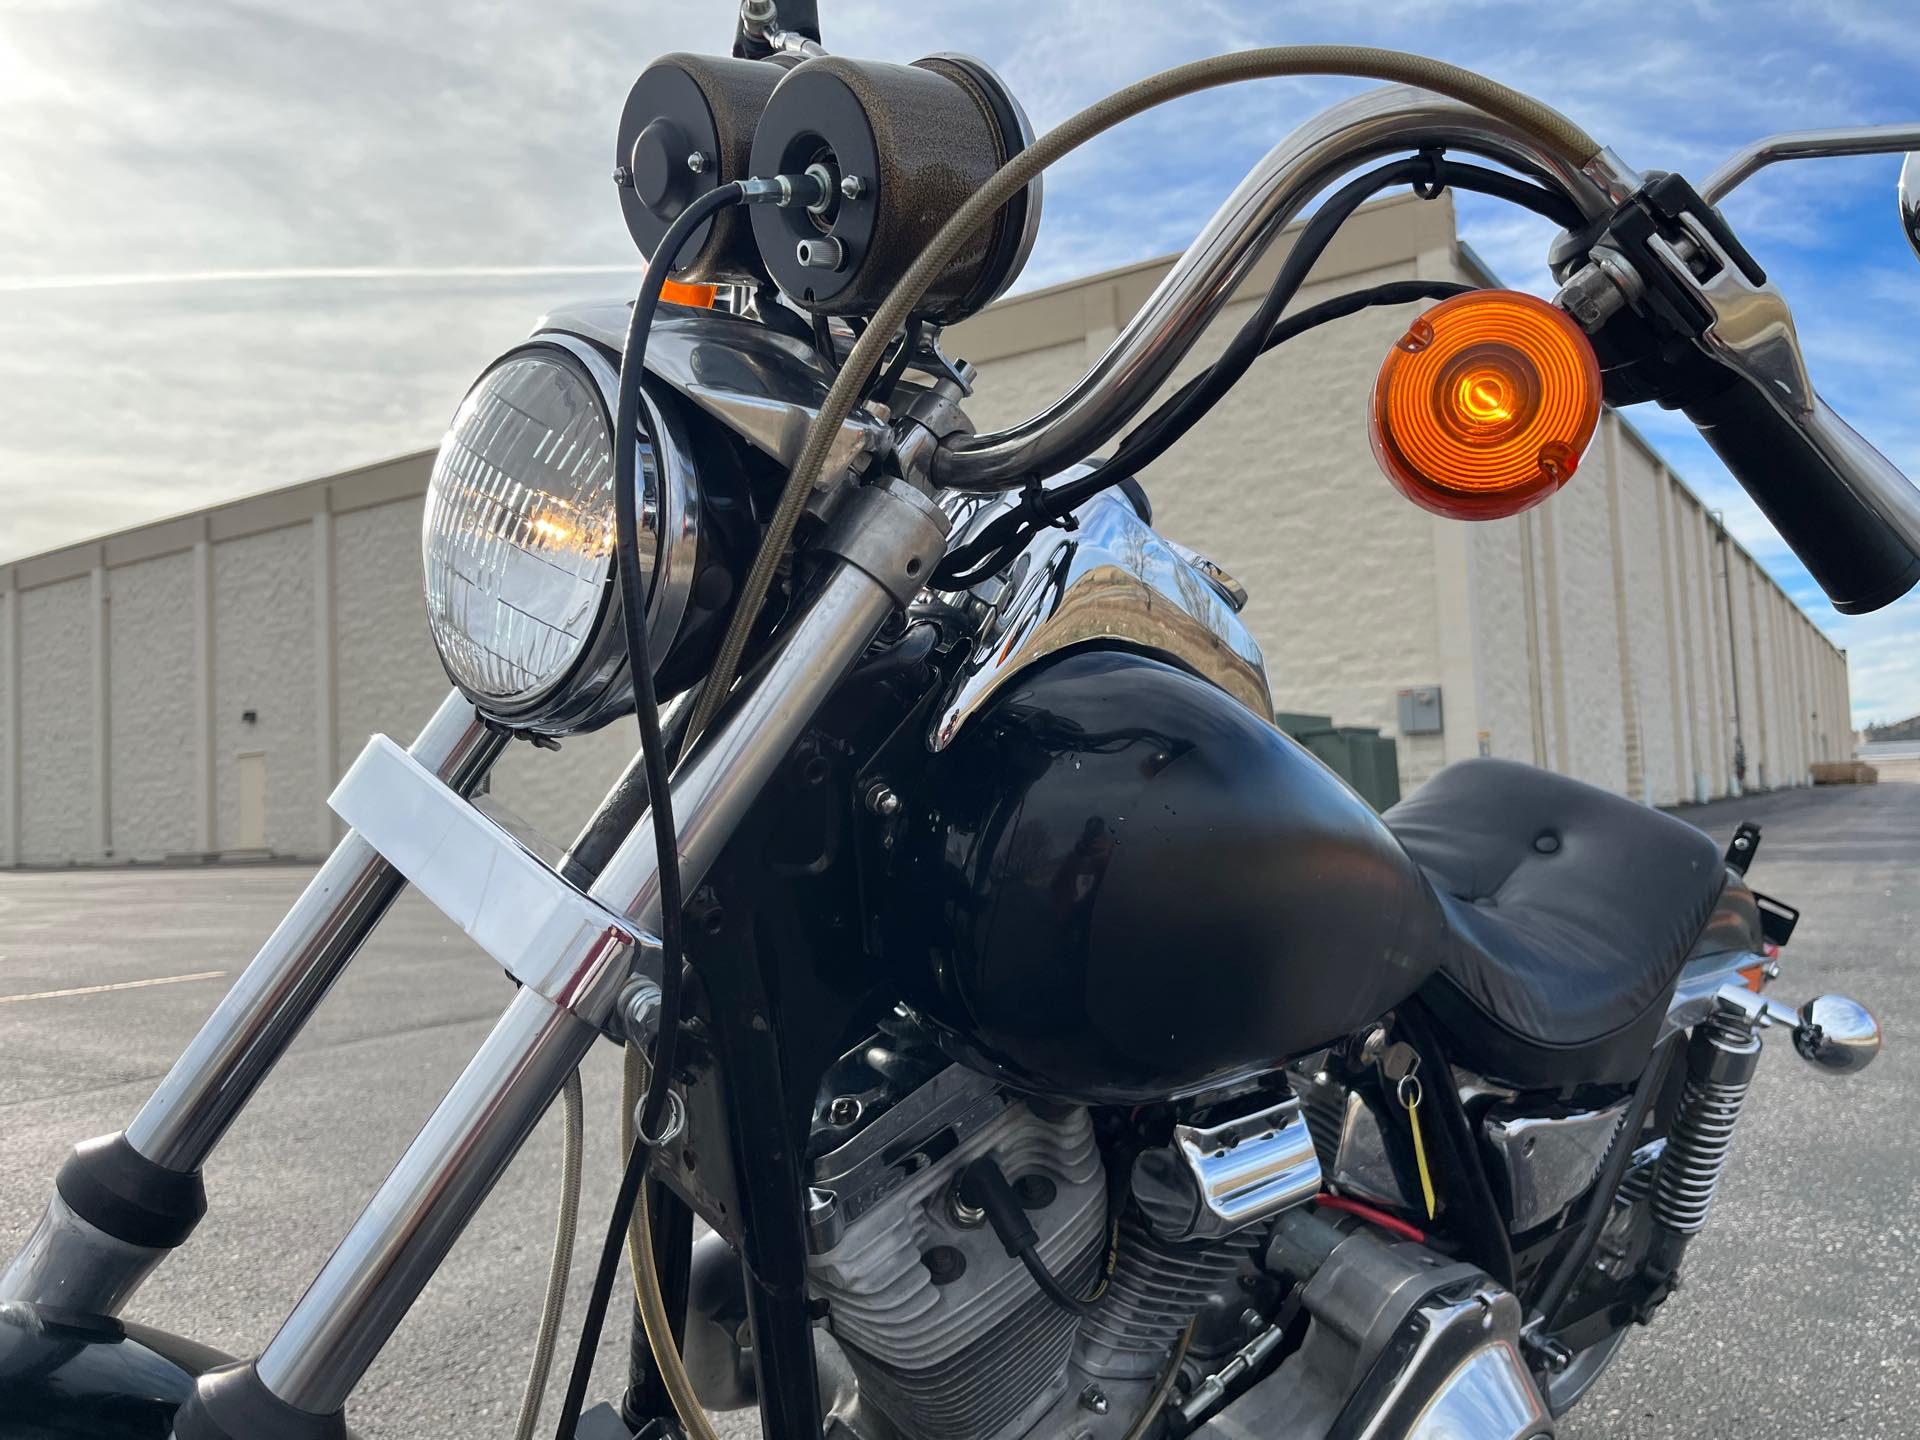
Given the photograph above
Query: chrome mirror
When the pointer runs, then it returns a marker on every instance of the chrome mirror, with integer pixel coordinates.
(1910, 199)
(1836, 1033)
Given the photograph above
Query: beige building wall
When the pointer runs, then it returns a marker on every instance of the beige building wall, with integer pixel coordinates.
(1592, 634)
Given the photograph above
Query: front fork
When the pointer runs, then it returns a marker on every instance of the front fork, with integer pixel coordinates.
(884, 537)
(122, 1203)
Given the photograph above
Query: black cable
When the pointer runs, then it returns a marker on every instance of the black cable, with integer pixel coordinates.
(823, 343)
(602, 1292)
(1050, 1283)
(633, 607)
(653, 752)
(1152, 438)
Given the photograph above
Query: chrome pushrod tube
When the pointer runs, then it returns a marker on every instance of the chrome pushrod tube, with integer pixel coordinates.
(379, 1269)
(1391, 119)
(70, 1262)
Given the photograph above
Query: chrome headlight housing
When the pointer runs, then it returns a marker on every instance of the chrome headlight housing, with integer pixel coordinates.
(517, 541)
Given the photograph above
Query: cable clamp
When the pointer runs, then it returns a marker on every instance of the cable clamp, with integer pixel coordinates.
(1435, 185)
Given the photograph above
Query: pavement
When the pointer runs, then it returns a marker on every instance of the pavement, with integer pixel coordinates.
(1800, 1315)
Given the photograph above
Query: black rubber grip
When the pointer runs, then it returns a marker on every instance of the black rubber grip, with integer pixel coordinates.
(233, 1403)
(1860, 562)
(115, 1188)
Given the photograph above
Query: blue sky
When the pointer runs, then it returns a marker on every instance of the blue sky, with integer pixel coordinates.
(247, 243)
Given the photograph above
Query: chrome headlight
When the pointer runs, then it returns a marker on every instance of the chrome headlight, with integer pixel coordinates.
(518, 539)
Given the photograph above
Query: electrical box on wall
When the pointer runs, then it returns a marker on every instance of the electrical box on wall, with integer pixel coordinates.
(1420, 710)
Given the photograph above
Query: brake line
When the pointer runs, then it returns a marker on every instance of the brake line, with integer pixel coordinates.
(561, 1262)
(1543, 122)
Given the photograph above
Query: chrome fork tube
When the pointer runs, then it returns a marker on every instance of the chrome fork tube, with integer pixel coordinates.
(360, 1295)
(72, 1263)
(218, 1072)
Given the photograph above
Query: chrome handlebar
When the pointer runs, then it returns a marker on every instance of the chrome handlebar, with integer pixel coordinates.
(1738, 167)
(1388, 120)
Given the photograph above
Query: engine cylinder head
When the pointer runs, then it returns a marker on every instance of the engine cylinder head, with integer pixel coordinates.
(905, 145)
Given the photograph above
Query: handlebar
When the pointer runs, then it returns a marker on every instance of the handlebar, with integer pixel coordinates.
(1849, 514)
(1851, 517)
(1392, 119)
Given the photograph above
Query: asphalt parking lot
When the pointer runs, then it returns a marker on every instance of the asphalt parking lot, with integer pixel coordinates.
(1800, 1316)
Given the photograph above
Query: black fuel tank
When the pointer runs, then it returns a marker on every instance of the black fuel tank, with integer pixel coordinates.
(1127, 887)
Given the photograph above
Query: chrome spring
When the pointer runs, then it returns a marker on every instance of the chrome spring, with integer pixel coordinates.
(1720, 1070)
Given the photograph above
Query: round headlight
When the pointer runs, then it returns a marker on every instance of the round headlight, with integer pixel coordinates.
(518, 539)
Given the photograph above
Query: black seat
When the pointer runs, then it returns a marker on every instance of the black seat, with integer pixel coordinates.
(1570, 912)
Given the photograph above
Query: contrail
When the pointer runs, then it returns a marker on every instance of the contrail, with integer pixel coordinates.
(18, 283)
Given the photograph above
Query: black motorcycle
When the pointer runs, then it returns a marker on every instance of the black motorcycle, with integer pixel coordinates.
(1049, 1045)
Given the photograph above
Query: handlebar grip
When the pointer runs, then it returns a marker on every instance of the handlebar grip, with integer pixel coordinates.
(1850, 516)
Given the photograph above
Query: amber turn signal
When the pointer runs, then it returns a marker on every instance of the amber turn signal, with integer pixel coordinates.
(1485, 405)
(674, 292)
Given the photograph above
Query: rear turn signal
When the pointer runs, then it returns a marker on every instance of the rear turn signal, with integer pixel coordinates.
(1485, 405)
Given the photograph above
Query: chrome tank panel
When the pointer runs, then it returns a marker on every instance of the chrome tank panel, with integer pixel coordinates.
(1111, 579)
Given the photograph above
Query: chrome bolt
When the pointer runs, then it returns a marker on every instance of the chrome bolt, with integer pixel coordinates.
(882, 799)
(622, 176)
(1250, 1320)
(1095, 1399)
(697, 162)
(843, 1110)
(852, 186)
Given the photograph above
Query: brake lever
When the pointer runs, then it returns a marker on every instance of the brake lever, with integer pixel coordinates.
(1681, 313)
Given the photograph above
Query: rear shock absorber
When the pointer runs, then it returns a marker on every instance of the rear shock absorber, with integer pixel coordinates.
(1721, 1059)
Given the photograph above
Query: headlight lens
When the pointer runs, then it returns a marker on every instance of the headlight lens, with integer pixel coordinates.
(518, 540)
(519, 529)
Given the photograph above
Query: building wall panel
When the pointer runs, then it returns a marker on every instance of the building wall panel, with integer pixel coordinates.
(389, 678)
(153, 729)
(56, 723)
(264, 663)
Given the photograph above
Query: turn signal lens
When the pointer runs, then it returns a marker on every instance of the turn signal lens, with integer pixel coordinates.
(1485, 405)
(675, 292)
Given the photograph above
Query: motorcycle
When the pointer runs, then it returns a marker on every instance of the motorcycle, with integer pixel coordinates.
(1047, 1045)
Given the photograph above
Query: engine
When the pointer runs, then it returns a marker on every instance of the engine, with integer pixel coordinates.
(1121, 1259)
(944, 1330)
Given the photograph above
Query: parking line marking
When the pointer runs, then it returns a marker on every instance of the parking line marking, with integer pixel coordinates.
(117, 985)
